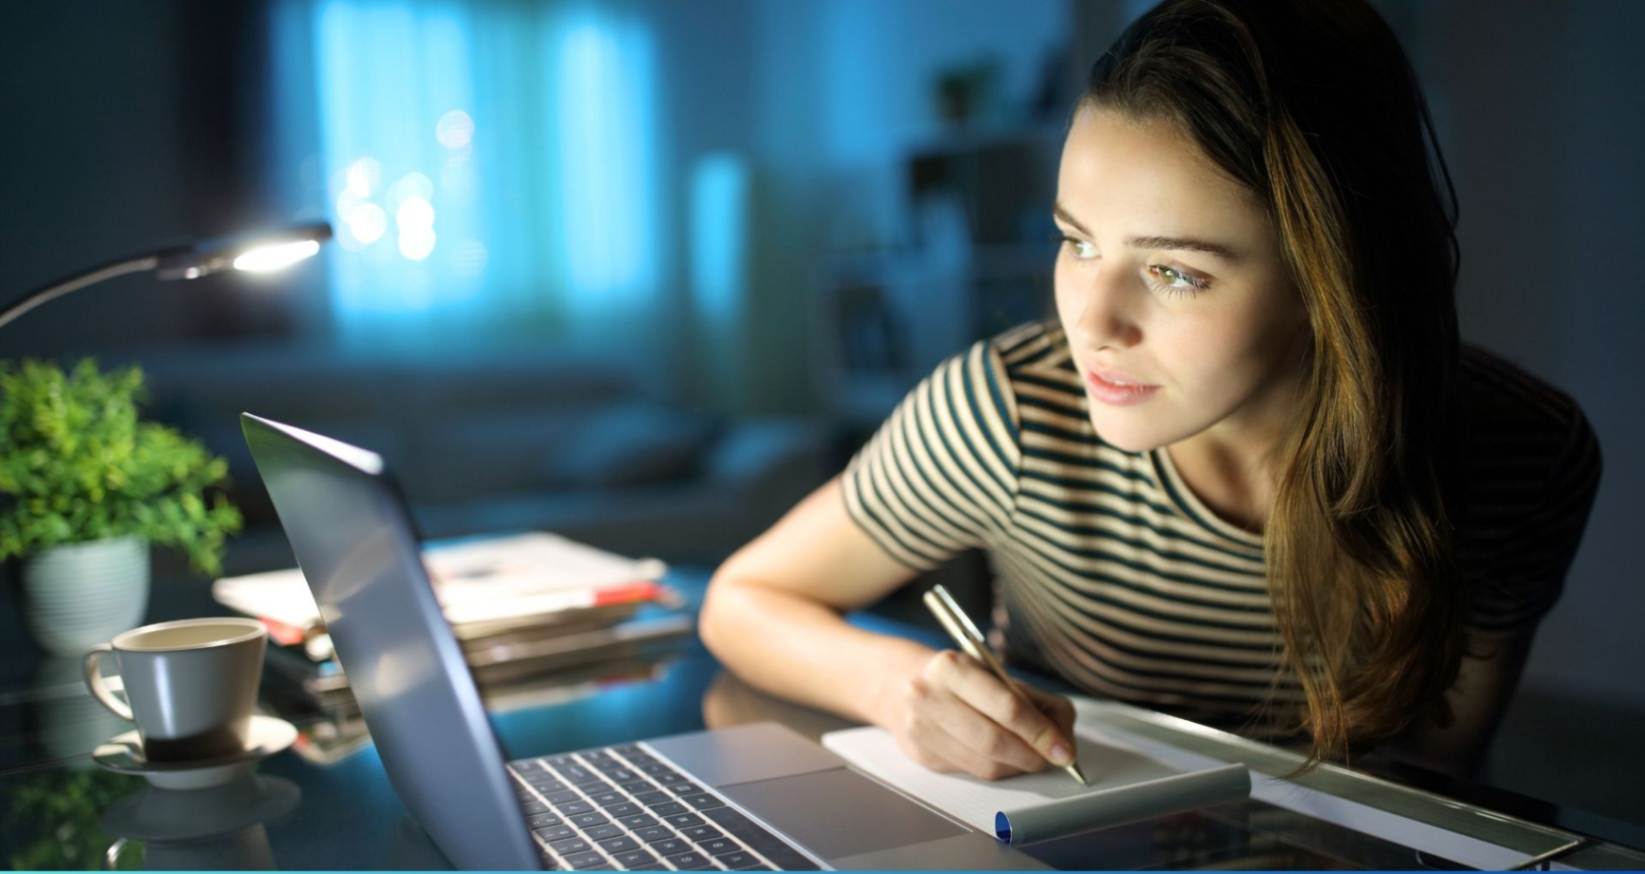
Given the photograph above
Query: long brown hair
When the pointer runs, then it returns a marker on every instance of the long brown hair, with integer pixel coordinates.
(1313, 106)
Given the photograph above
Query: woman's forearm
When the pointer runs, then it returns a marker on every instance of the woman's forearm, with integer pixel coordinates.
(798, 649)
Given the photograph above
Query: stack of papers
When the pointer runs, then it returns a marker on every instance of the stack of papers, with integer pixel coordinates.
(484, 586)
(520, 606)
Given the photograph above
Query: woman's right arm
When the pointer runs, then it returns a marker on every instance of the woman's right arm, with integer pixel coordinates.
(773, 616)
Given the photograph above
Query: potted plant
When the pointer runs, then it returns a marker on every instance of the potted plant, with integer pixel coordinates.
(85, 487)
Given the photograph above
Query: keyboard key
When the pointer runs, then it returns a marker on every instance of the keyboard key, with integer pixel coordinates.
(667, 808)
(635, 787)
(636, 859)
(554, 832)
(683, 786)
(626, 808)
(608, 797)
(760, 840)
(542, 819)
(649, 798)
(597, 758)
(532, 808)
(653, 833)
(657, 769)
(620, 844)
(568, 846)
(621, 775)
(563, 796)
(572, 807)
(755, 867)
(682, 820)
(702, 800)
(669, 846)
(574, 773)
(601, 832)
(690, 861)
(588, 820)
(584, 861)
(720, 846)
(702, 833)
(742, 828)
(637, 821)
(736, 859)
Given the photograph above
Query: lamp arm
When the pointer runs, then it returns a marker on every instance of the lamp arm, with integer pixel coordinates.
(76, 282)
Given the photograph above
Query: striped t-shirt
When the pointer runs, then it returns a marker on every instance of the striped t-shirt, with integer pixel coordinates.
(1112, 574)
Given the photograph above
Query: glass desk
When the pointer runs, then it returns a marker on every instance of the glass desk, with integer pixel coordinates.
(326, 803)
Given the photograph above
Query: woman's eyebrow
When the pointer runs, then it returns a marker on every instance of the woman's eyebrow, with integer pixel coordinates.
(1058, 210)
(1186, 244)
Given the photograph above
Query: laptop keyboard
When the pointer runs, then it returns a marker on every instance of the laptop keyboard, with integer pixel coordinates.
(621, 808)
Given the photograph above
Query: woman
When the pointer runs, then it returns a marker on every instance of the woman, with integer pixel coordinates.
(1246, 476)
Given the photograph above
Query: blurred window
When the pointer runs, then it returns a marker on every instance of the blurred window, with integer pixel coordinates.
(486, 164)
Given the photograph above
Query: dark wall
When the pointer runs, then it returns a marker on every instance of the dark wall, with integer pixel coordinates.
(129, 125)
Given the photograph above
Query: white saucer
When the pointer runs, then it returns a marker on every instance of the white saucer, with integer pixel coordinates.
(123, 754)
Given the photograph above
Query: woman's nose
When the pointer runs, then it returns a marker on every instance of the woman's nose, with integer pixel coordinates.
(1108, 307)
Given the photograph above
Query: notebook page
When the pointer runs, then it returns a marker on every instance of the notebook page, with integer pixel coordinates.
(1107, 762)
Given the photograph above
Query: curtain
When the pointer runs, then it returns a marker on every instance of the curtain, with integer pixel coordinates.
(491, 168)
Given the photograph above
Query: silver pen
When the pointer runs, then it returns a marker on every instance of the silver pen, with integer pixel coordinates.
(965, 633)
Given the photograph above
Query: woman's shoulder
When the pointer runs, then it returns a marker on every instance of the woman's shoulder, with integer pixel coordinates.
(1531, 466)
(1039, 343)
(1506, 410)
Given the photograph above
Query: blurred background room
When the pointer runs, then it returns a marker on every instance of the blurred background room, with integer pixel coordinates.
(646, 272)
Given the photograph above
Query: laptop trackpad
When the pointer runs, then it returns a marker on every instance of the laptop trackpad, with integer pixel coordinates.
(838, 812)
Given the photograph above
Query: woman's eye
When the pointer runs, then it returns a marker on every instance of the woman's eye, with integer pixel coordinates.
(1175, 281)
(1083, 250)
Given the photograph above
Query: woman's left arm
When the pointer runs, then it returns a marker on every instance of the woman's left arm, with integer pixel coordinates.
(1491, 664)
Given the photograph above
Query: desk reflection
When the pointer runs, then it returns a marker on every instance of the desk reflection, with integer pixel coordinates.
(730, 701)
(221, 827)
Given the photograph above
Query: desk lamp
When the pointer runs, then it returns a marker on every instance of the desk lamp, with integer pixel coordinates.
(258, 253)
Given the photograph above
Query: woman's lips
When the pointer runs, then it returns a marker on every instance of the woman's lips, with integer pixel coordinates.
(1117, 389)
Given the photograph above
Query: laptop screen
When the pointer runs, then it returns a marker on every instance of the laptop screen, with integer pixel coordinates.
(354, 540)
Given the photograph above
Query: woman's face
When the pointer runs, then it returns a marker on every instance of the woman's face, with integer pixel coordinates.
(1170, 287)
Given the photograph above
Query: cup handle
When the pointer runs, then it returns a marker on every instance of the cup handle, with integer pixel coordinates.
(99, 689)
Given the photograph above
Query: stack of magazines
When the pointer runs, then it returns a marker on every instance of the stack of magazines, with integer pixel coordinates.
(523, 607)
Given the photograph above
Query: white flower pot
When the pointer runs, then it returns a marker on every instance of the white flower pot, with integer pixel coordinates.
(80, 595)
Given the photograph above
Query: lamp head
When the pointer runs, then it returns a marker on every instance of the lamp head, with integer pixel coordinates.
(257, 253)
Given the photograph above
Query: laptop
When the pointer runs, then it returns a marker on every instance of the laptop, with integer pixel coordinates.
(754, 797)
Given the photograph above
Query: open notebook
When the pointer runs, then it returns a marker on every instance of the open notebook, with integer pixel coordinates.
(1125, 785)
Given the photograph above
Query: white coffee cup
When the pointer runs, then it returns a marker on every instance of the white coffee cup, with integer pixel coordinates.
(191, 684)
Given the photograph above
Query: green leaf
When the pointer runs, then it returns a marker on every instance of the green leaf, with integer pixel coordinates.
(78, 464)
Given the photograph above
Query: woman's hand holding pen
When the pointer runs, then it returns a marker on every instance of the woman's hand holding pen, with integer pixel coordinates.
(953, 714)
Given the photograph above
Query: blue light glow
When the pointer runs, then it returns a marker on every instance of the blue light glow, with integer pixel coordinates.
(484, 162)
(719, 237)
(601, 84)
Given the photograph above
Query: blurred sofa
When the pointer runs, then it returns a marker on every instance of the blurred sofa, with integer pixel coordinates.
(573, 444)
